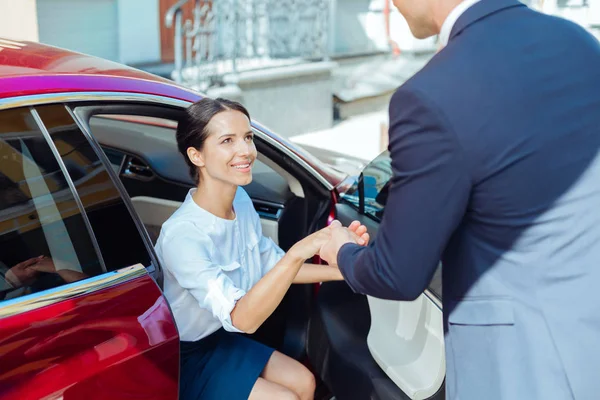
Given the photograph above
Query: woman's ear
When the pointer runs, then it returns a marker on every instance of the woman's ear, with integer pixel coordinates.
(195, 156)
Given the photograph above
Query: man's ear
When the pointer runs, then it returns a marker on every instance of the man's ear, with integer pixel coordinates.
(195, 156)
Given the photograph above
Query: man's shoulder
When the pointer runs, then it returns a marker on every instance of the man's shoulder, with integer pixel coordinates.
(442, 74)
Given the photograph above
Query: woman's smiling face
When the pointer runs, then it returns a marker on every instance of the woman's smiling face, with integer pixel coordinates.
(228, 152)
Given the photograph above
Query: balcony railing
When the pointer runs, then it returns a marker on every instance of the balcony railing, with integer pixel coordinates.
(225, 37)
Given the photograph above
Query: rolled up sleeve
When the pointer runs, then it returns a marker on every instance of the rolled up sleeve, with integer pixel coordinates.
(187, 256)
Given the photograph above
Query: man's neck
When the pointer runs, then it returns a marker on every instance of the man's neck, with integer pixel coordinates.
(441, 12)
(452, 17)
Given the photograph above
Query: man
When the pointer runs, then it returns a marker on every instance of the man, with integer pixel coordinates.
(494, 148)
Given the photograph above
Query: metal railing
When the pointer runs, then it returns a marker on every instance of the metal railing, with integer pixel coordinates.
(225, 37)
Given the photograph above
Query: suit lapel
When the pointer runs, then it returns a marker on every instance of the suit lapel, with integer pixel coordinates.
(481, 10)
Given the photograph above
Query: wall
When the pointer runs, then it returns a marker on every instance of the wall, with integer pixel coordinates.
(359, 28)
(125, 31)
(18, 19)
(290, 100)
(86, 26)
(351, 35)
(139, 31)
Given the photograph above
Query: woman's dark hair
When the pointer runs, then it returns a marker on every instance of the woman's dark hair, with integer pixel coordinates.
(192, 128)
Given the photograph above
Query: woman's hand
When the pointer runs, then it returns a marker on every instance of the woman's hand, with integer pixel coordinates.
(310, 245)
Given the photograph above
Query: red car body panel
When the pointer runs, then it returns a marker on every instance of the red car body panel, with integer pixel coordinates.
(117, 343)
(28, 68)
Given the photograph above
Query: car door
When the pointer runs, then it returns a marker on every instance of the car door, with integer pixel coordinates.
(80, 314)
(368, 348)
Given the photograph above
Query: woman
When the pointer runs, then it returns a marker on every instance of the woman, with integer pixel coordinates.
(222, 276)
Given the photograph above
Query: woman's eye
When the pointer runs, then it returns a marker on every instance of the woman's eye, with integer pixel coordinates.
(228, 140)
(249, 138)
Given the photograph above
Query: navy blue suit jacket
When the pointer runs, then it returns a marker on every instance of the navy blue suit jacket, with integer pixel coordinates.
(494, 148)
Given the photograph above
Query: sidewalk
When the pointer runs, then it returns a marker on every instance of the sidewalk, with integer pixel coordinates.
(363, 90)
(350, 144)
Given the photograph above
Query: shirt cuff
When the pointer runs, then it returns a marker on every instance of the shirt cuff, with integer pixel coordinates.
(226, 310)
(12, 279)
(345, 259)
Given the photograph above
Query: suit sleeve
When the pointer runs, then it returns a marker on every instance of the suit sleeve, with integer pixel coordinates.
(428, 197)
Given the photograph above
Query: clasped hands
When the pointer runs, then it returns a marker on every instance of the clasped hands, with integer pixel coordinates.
(326, 243)
(25, 272)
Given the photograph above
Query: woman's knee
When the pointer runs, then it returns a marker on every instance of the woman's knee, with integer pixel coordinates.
(289, 395)
(306, 384)
(264, 389)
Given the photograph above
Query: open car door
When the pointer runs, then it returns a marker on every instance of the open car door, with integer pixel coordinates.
(368, 348)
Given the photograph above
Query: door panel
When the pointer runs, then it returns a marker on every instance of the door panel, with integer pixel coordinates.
(406, 339)
(111, 336)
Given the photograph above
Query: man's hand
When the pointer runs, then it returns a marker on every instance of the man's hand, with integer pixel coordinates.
(362, 237)
(22, 274)
(339, 236)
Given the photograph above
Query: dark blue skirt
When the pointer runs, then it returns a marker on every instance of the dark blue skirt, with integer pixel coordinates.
(221, 366)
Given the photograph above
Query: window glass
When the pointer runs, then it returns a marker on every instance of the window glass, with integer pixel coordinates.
(376, 179)
(44, 240)
(116, 233)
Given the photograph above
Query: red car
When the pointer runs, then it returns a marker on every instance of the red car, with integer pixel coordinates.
(89, 171)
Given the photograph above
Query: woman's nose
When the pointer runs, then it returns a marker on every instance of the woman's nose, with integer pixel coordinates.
(244, 148)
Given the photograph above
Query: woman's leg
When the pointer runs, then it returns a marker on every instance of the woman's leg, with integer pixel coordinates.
(289, 373)
(265, 390)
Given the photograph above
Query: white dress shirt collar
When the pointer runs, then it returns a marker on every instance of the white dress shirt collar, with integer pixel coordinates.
(452, 18)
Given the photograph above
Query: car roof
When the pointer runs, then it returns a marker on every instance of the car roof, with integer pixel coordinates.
(30, 68)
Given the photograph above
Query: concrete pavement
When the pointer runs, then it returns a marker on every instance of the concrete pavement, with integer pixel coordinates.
(363, 90)
(351, 143)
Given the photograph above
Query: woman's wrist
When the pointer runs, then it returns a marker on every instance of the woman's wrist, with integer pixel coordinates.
(294, 258)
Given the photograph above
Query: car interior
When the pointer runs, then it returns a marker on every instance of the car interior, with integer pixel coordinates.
(290, 202)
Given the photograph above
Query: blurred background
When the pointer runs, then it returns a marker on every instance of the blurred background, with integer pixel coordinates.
(319, 72)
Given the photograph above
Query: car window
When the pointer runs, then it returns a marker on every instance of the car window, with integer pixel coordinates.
(375, 180)
(44, 240)
(118, 238)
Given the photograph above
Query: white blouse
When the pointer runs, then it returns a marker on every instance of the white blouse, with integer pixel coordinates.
(210, 263)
